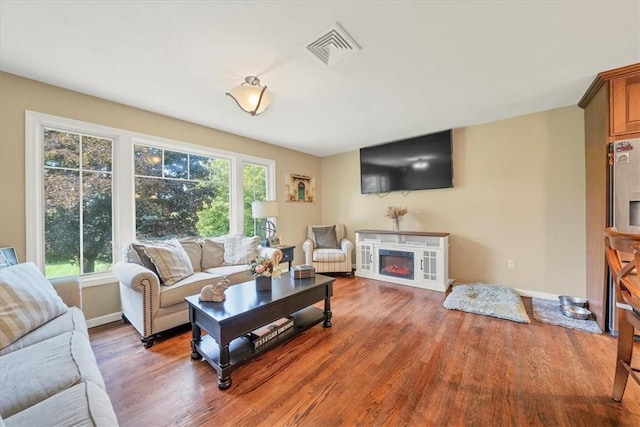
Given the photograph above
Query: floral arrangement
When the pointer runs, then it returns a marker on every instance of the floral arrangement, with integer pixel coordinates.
(263, 266)
(396, 212)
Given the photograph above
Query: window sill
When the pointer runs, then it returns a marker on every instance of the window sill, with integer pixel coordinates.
(98, 279)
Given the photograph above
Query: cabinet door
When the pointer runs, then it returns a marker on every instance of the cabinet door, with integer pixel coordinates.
(364, 258)
(431, 265)
(625, 105)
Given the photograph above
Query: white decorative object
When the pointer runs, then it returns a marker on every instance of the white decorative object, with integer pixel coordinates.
(215, 292)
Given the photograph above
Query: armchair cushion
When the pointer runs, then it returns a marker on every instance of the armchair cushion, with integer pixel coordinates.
(339, 228)
(28, 301)
(326, 237)
(329, 255)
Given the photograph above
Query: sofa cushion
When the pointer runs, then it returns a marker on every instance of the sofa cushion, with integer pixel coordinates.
(171, 261)
(232, 272)
(72, 320)
(193, 249)
(28, 301)
(62, 362)
(240, 249)
(170, 295)
(328, 255)
(212, 252)
(326, 237)
(84, 404)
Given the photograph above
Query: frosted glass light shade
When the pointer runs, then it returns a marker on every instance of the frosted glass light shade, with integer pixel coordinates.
(250, 96)
(264, 209)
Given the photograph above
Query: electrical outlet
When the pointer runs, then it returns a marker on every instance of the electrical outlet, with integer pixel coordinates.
(511, 263)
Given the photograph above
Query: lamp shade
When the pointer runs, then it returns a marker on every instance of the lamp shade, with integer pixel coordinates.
(250, 96)
(264, 209)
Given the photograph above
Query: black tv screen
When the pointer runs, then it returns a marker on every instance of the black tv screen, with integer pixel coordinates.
(420, 163)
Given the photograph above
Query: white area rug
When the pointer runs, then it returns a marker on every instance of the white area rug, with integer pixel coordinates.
(548, 311)
(489, 300)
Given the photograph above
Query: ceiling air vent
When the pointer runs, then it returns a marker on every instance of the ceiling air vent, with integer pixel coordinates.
(332, 45)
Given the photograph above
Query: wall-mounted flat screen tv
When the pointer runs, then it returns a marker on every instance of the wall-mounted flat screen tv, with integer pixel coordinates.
(420, 163)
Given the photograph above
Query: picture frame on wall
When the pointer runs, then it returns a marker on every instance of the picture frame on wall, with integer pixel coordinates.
(299, 188)
(8, 257)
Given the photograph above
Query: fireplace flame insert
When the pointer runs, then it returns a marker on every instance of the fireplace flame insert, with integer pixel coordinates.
(396, 263)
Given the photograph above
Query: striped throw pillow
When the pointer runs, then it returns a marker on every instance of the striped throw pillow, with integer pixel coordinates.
(171, 261)
(27, 300)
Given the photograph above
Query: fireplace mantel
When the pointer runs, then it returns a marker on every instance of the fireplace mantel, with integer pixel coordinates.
(426, 254)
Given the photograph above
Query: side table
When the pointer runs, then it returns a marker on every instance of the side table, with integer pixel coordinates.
(287, 254)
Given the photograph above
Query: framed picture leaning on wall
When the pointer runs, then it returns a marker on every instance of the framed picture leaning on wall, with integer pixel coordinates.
(8, 257)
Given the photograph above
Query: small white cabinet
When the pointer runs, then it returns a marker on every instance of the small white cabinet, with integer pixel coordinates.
(411, 258)
(364, 257)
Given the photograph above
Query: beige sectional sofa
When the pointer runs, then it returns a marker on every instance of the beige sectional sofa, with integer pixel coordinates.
(48, 372)
(155, 277)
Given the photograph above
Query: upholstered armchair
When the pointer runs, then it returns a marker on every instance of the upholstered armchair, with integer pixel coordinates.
(327, 249)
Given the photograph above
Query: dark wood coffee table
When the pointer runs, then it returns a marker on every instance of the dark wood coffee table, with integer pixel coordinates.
(227, 323)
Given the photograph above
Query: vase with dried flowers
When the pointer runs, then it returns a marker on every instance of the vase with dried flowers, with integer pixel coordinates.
(396, 213)
(263, 269)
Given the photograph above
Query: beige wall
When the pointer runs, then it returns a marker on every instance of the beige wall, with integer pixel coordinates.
(519, 189)
(519, 194)
(18, 94)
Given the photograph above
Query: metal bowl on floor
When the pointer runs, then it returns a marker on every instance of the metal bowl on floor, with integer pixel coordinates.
(575, 312)
(575, 301)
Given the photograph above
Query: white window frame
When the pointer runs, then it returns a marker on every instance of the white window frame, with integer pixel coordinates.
(123, 177)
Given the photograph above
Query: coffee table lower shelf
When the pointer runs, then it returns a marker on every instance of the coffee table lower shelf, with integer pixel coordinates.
(241, 350)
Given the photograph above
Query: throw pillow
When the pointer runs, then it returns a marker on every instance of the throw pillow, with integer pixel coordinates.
(145, 261)
(28, 301)
(326, 237)
(129, 254)
(171, 261)
(192, 247)
(240, 249)
(212, 252)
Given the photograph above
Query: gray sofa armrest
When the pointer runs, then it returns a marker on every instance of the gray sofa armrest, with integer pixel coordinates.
(69, 290)
(136, 276)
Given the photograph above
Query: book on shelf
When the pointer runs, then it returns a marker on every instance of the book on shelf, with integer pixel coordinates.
(264, 335)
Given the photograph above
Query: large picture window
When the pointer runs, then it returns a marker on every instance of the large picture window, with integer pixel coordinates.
(180, 194)
(78, 203)
(90, 189)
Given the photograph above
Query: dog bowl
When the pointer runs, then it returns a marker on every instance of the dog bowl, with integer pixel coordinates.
(575, 312)
(575, 301)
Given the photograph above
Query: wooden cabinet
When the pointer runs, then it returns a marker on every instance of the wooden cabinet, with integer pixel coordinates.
(625, 105)
(611, 112)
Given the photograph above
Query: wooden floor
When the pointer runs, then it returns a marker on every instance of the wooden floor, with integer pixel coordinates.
(394, 357)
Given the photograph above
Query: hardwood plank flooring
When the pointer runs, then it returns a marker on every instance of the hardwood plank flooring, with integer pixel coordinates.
(394, 357)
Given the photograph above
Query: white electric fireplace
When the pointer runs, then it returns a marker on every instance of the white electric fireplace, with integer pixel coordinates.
(411, 258)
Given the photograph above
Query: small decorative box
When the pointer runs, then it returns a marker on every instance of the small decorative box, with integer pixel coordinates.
(303, 272)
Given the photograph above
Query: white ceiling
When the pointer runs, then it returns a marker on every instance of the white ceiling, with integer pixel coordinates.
(424, 66)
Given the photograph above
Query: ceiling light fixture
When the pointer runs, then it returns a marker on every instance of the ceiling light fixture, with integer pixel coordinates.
(250, 96)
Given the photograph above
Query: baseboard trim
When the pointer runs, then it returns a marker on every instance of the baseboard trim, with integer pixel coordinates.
(103, 320)
(535, 294)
